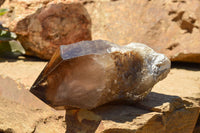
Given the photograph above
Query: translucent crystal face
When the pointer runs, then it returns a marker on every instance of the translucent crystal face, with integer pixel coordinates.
(88, 74)
(98, 47)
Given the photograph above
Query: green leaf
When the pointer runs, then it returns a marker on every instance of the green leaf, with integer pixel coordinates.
(16, 47)
(11, 49)
(7, 36)
(5, 49)
(3, 11)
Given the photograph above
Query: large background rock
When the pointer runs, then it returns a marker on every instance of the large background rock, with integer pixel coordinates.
(170, 27)
(42, 26)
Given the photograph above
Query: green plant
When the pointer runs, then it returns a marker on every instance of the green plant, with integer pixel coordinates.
(9, 46)
(3, 11)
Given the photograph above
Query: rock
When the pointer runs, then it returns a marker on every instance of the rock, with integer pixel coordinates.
(16, 77)
(41, 26)
(21, 111)
(16, 118)
(25, 71)
(22, 71)
(91, 73)
(170, 27)
(197, 127)
(13, 91)
(187, 77)
(158, 113)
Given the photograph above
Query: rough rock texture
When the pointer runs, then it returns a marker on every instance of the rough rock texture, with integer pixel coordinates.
(170, 27)
(88, 74)
(42, 26)
(25, 71)
(187, 77)
(197, 127)
(158, 113)
(20, 111)
(14, 91)
(16, 118)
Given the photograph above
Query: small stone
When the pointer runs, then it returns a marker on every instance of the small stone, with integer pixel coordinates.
(88, 74)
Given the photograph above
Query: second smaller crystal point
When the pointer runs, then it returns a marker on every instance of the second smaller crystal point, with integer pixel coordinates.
(88, 74)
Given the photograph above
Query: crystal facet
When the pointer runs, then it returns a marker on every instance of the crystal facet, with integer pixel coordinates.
(88, 74)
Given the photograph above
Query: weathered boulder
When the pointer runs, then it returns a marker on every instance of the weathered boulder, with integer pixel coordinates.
(170, 27)
(42, 26)
(158, 113)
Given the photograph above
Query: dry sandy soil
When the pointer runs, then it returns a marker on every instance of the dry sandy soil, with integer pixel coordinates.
(183, 80)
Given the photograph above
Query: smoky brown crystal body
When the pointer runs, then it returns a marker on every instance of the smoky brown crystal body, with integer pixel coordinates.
(88, 74)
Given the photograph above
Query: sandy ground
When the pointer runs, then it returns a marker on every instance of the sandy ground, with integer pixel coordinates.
(183, 80)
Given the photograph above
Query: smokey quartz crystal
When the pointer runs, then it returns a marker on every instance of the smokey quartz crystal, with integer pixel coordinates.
(88, 74)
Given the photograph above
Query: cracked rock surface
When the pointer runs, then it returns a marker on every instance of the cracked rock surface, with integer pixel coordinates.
(16, 118)
(171, 27)
(158, 113)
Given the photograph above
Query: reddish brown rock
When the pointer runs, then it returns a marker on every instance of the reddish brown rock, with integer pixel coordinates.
(42, 26)
(170, 27)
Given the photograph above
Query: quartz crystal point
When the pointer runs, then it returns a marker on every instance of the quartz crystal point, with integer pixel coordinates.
(88, 74)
